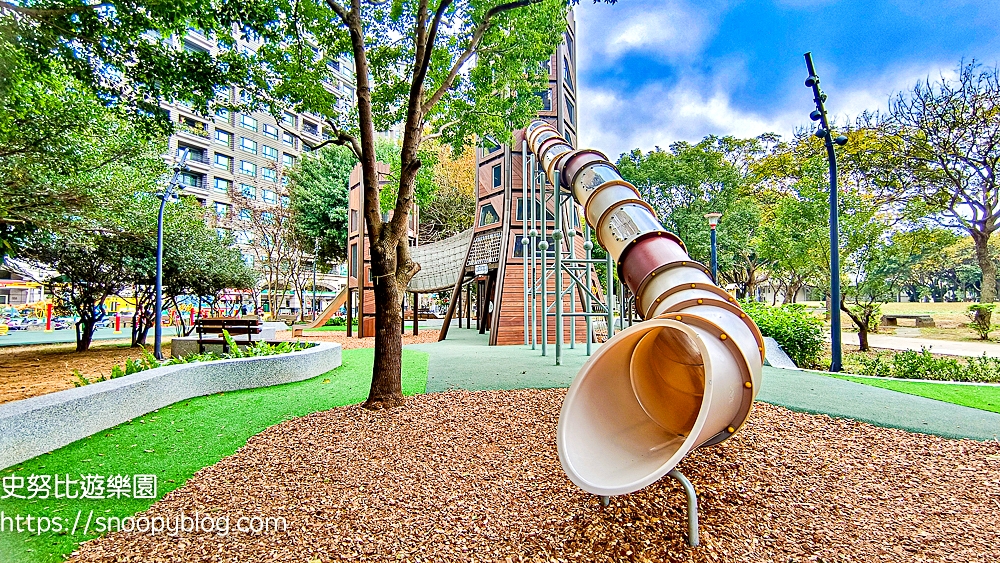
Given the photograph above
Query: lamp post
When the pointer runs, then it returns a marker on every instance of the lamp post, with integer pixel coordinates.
(824, 132)
(713, 222)
(168, 192)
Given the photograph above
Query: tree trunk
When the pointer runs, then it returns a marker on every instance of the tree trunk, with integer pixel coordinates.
(863, 338)
(386, 390)
(988, 288)
(85, 332)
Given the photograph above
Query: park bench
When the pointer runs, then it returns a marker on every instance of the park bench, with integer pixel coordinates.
(921, 320)
(210, 331)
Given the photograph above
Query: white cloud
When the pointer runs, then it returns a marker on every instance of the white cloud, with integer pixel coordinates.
(617, 120)
(661, 30)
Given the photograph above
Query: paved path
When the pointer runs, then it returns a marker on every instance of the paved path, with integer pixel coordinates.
(26, 337)
(464, 361)
(949, 347)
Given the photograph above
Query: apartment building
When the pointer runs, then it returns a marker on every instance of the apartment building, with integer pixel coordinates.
(247, 152)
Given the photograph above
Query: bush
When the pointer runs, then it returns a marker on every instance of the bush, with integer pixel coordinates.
(909, 364)
(798, 332)
(979, 319)
(340, 321)
(149, 361)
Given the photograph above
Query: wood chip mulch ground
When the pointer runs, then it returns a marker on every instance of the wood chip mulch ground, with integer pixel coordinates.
(463, 476)
(423, 337)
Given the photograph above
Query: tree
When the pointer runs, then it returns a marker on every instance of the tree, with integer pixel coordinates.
(688, 181)
(91, 267)
(65, 158)
(266, 226)
(318, 187)
(451, 68)
(949, 132)
(453, 208)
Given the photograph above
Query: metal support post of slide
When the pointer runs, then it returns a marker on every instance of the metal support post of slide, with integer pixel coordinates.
(543, 245)
(692, 498)
(571, 250)
(587, 247)
(524, 237)
(611, 295)
(557, 236)
(534, 252)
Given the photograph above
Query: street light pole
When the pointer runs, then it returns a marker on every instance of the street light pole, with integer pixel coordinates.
(824, 132)
(713, 222)
(158, 306)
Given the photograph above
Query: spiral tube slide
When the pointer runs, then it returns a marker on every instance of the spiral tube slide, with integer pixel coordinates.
(685, 377)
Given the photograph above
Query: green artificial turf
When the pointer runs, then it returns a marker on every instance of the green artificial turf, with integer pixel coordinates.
(984, 397)
(175, 442)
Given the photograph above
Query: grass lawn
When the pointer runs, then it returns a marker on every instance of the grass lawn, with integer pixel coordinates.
(175, 442)
(984, 397)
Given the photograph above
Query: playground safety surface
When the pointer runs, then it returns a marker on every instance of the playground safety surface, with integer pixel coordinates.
(461, 476)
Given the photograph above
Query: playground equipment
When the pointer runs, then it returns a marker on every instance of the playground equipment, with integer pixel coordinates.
(330, 310)
(684, 377)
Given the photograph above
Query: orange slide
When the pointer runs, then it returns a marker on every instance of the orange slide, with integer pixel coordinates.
(337, 303)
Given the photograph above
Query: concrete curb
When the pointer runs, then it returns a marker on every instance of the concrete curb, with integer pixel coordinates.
(34, 426)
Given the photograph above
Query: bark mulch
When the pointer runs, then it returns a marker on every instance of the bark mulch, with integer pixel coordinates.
(424, 337)
(463, 476)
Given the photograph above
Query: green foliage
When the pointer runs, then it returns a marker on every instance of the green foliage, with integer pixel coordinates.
(319, 186)
(979, 319)
(910, 364)
(424, 185)
(798, 332)
(149, 361)
(65, 158)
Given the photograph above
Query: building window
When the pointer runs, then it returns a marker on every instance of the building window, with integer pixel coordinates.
(268, 196)
(538, 211)
(245, 215)
(547, 66)
(248, 145)
(285, 201)
(223, 162)
(269, 152)
(306, 147)
(270, 131)
(354, 260)
(354, 220)
(269, 174)
(267, 217)
(570, 111)
(546, 97)
(288, 118)
(248, 191)
(497, 176)
(221, 210)
(224, 114)
(248, 168)
(244, 238)
(248, 122)
(310, 127)
(222, 185)
(223, 138)
(488, 215)
(193, 153)
(289, 140)
(567, 75)
(288, 160)
(190, 180)
(334, 65)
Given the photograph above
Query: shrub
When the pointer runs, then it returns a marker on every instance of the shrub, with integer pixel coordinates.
(910, 364)
(149, 361)
(979, 319)
(798, 332)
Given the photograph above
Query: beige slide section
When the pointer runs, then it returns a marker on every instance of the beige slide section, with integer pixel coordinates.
(683, 378)
(330, 310)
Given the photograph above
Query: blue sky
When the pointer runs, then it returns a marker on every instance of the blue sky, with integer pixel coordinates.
(652, 72)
